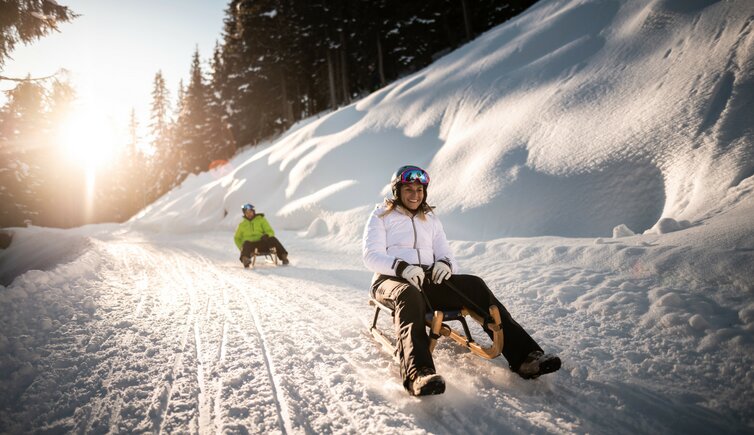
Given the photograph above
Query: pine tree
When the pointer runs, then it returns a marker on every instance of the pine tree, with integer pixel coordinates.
(179, 154)
(221, 141)
(255, 94)
(192, 123)
(23, 132)
(27, 20)
(162, 166)
(229, 80)
(132, 172)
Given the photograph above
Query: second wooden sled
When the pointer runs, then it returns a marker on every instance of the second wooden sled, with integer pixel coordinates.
(437, 328)
(271, 255)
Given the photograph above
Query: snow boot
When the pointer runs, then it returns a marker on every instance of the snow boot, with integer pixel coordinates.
(246, 262)
(538, 363)
(426, 382)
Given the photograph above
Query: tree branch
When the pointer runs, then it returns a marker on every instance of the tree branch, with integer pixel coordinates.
(28, 79)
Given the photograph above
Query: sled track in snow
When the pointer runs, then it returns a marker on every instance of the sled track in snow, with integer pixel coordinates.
(164, 403)
(221, 358)
(230, 329)
(100, 404)
(161, 407)
(280, 403)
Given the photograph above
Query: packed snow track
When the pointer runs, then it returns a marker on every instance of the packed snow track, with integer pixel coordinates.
(169, 334)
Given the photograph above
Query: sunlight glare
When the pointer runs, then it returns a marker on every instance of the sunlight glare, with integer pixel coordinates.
(88, 139)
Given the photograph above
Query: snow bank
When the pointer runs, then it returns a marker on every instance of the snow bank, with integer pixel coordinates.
(39, 249)
(46, 296)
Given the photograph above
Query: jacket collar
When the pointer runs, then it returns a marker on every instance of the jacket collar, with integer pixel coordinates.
(405, 211)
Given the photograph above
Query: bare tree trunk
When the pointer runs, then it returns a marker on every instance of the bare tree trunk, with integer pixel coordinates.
(331, 79)
(466, 19)
(344, 68)
(296, 104)
(380, 63)
(287, 110)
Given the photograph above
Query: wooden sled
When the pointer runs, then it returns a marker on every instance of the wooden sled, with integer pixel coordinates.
(438, 329)
(271, 256)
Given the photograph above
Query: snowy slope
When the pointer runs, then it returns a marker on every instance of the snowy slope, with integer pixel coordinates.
(642, 108)
(591, 160)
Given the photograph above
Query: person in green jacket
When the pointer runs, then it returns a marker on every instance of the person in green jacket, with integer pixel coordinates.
(255, 232)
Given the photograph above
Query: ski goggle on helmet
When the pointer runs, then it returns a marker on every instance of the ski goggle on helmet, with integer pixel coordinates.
(411, 174)
(247, 207)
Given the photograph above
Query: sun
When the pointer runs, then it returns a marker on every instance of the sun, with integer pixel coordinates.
(88, 141)
(88, 138)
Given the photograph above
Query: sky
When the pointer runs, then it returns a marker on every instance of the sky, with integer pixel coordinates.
(591, 161)
(114, 49)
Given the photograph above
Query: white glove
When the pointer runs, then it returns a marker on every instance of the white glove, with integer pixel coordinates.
(414, 275)
(440, 272)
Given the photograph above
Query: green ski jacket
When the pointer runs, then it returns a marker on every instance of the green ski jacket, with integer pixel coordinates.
(252, 230)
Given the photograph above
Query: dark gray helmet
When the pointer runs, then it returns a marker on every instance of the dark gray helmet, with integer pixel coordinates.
(409, 174)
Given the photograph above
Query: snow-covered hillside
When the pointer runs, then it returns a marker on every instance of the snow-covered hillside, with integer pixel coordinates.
(592, 160)
(600, 112)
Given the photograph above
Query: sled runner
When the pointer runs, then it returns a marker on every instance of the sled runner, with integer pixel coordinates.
(271, 255)
(434, 321)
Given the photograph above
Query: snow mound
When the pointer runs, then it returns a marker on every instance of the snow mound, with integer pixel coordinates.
(622, 231)
(318, 228)
(668, 225)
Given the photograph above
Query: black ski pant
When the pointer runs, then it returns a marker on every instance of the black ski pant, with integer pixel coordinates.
(409, 318)
(263, 245)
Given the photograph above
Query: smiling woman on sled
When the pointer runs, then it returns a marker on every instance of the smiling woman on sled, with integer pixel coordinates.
(415, 272)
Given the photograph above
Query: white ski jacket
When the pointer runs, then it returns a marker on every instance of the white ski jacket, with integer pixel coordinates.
(399, 235)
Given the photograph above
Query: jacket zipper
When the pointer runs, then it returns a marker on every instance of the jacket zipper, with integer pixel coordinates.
(418, 252)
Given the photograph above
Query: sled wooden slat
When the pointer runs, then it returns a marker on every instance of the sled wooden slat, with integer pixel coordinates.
(438, 328)
(272, 254)
(376, 333)
(497, 335)
(434, 329)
